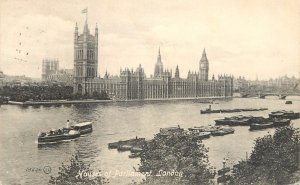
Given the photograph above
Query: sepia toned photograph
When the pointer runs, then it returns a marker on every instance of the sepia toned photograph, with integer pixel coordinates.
(149, 92)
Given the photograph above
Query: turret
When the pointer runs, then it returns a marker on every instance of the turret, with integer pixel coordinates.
(96, 32)
(76, 33)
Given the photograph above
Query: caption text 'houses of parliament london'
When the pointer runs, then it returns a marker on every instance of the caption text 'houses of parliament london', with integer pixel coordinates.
(134, 85)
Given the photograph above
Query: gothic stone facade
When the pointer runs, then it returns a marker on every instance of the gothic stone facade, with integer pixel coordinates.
(134, 85)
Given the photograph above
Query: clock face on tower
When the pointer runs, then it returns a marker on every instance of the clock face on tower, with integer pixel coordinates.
(202, 65)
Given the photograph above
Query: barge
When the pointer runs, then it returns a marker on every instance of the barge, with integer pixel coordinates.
(209, 110)
(285, 114)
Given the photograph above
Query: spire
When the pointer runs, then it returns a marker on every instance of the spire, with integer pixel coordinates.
(158, 70)
(159, 56)
(204, 55)
(96, 30)
(177, 72)
(159, 51)
(86, 28)
(76, 28)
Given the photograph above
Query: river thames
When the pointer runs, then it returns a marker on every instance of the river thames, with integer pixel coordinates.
(19, 127)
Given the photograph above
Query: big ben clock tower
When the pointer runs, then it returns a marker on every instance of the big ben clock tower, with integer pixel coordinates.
(203, 67)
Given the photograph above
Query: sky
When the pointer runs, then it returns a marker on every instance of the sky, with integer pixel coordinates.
(243, 38)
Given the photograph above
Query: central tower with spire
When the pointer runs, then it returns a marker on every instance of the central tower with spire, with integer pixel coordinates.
(203, 67)
(85, 57)
(158, 71)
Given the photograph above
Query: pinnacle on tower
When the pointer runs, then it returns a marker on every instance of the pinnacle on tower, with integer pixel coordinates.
(159, 50)
(76, 28)
(96, 30)
(158, 70)
(177, 72)
(159, 56)
(204, 55)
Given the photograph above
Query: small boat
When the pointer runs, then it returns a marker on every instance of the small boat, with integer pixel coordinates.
(56, 135)
(170, 130)
(113, 145)
(136, 149)
(83, 128)
(135, 155)
(257, 126)
(124, 147)
(223, 131)
(288, 102)
(136, 142)
(208, 128)
(199, 135)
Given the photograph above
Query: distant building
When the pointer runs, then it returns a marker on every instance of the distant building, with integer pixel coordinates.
(282, 84)
(50, 66)
(8, 80)
(133, 84)
(240, 83)
(1, 78)
(52, 74)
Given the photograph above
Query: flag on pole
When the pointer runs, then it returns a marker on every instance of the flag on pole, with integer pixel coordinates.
(84, 10)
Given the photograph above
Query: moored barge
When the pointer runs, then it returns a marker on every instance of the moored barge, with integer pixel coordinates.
(209, 110)
(285, 114)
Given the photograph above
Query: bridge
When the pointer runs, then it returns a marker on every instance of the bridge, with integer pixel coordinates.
(263, 95)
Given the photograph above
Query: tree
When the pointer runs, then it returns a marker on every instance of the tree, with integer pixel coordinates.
(75, 174)
(175, 153)
(272, 161)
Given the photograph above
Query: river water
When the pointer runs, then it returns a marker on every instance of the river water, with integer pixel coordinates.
(19, 127)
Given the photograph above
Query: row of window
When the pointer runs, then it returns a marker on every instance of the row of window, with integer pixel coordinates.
(90, 72)
(157, 91)
(91, 55)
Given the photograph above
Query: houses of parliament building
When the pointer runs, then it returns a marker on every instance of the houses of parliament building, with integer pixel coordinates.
(134, 85)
